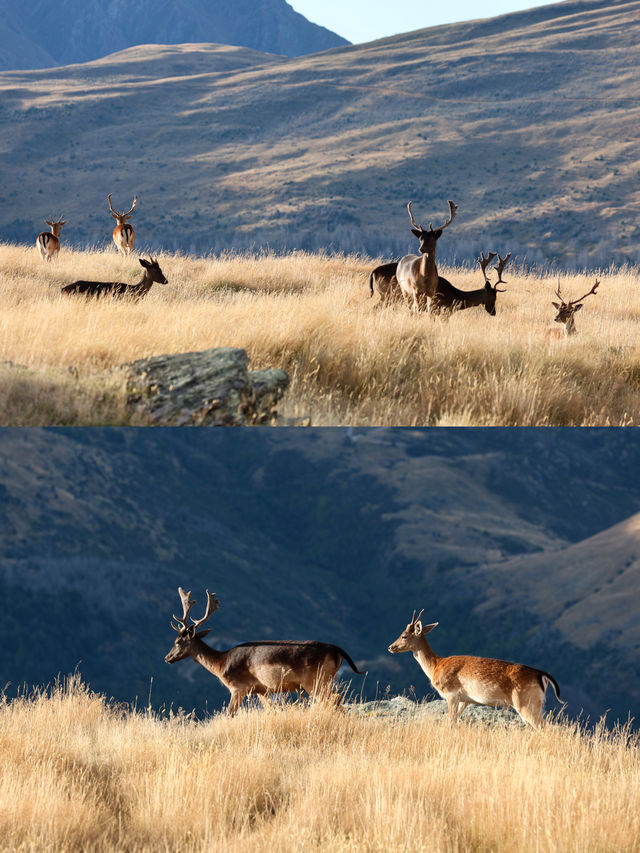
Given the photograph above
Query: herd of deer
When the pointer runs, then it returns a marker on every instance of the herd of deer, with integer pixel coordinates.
(268, 668)
(414, 278)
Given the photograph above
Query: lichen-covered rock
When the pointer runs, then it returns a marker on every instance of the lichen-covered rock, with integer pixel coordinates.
(209, 388)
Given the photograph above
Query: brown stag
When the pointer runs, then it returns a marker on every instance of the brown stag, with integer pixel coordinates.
(566, 315)
(464, 679)
(258, 668)
(48, 242)
(123, 233)
(119, 289)
(448, 298)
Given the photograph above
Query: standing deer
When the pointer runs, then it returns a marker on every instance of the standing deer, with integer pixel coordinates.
(464, 679)
(119, 289)
(48, 242)
(566, 313)
(123, 233)
(383, 279)
(417, 275)
(260, 668)
(450, 298)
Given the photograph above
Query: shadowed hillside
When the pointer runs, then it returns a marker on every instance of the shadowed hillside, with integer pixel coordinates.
(529, 122)
(327, 534)
(40, 34)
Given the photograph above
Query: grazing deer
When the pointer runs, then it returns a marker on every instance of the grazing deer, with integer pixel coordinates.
(262, 668)
(118, 289)
(464, 679)
(123, 233)
(417, 275)
(450, 298)
(48, 242)
(567, 313)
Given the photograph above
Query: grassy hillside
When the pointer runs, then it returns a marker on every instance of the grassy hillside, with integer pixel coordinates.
(528, 121)
(91, 776)
(350, 364)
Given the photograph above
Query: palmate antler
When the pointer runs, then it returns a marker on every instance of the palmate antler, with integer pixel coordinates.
(485, 261)
(187, 603)
(121, 216)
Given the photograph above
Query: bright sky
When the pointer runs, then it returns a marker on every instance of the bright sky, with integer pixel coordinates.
(365, 20)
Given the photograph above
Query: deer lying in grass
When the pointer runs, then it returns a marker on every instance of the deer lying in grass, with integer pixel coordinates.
(261, 668)
(464, 680)
(566, 314)
(450, 298)
(119, 289)
(48, 242)
(417, 275)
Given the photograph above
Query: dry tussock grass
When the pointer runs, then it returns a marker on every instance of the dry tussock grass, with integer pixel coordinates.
(350, 363)
(79, 774)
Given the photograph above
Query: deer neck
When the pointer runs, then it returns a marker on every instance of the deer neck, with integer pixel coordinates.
(209, 658)
(570, 326)
(429, 273)
(426, 657)
(144, 285)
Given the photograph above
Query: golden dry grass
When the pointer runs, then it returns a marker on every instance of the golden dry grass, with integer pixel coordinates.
(350, 364)
(79, 774)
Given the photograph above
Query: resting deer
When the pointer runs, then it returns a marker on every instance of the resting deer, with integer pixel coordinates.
(261, 668)
(119, 289)
(463, 679)
(450, 298)
(567, 313)
(123, 233)
(417, 275)
(48, 242)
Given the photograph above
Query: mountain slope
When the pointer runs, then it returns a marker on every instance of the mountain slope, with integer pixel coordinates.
(71, 31)
(529, 122)
(325, 534)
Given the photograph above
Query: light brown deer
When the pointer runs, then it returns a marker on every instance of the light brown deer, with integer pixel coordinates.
(566, 314)
(48, 242)
(123, 233)
(417, 275)
(260, 668)
(448, 298)
(463, 679)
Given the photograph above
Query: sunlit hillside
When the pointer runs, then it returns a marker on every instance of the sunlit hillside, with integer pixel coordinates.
(349, 362)
(79, 774)
(528, 121)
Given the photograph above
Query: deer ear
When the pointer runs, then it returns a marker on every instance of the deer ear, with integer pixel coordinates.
(428, 628)
(204, 633)
(487, 286)
(578, 307)
(416, 232)
(144, 263)
(417, 628)
(557, 305)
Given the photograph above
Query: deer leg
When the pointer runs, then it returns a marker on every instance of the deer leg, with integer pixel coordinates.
(530, 709)
(234, 703)
(461, 707)
(452, 702)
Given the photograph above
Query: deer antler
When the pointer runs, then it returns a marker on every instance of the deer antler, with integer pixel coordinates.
(592, 291)
(502, 262)
(453, 209)
(115, 213)
(415, 618)
(413, 222)
(486, 261)
(135, 199)
(212, 605)
(187, 604)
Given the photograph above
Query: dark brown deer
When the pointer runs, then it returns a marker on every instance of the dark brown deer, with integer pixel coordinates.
(449, 298)
(123, 233)
(261, 668)
(383, 279)
(119, 289)
(417, 275)
(48, 242)
(567, 313)
(465, 679)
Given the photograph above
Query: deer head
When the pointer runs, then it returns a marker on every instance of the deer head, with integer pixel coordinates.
(567, 310)
(187, 633)
(409, 640)
(428, 239)
(153, 270)
(56, 226)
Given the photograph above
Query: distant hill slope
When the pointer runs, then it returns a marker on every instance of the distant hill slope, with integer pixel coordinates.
(325, 534)
(39, 34)
(528, 121)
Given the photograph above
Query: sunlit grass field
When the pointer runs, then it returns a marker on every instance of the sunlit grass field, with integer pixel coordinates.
(349, 363)
(78, 773)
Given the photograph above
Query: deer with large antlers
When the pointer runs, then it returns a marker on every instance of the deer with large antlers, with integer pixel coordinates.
(417, 275)
(566, 315)
(450, 298)
(48, 242)
(260, 668)
(119, 289)
(123, 233)
(464, 679)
